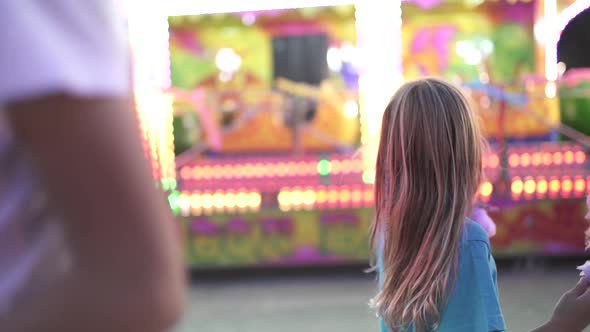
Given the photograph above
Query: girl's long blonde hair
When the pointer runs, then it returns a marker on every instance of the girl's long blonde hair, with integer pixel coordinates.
(429, 168)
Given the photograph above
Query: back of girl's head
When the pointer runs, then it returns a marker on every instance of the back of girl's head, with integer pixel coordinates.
(428, 171)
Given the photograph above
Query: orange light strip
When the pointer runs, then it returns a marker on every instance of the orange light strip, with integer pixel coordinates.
(307, 198)
(553, 187)
(199, 203)
(260, 170)
(535, 159)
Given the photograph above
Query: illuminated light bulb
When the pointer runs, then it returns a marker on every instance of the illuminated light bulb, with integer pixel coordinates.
(541, 186)
(321, 196)
(344, 195)
(525, 160)
(196, 173)
(184, 201)
(513, 160)
(346, 166)
(196, 201)
(351, 109)
(207, 201)
(217, 172)
(301, 168)
(248, 170)
(335, 166)
(291, 168)
(324, 167)
(356, 195)
(254, 199)
(493, 161)
(227, 60)
(332, 196)
(296, 197)
(554, 185)
(230, 200)
(206, 172)
(547, 160)
(579, 185)
(486, 189)
(272, 170)
(568, 157)
(516, 186)
(227, 171)
(567, 185)
(284, 198)
(260, 170)
(218, 200)
(536, 159)
(580, 157)
(281, 169)
(557, 158)
(242, 200)
(333, 59)
(368, 196)
(309, 197)
(185, 173)
(529, 186)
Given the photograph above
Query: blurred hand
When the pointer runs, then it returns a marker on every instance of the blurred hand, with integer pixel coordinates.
(572, 312)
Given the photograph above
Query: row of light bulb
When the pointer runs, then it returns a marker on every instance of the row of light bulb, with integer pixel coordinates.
(263, 170)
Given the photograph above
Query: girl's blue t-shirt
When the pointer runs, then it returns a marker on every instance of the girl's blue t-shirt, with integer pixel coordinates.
(474, 304)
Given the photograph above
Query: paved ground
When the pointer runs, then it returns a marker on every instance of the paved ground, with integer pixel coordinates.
(337, 301)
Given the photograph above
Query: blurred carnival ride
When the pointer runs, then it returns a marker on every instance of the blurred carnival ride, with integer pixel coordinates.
(276, 108)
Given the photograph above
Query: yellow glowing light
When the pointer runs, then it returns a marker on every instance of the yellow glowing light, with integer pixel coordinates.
(516, 186)
(284, 198)
(542, 186)
(513, 160)
(254, 200)
(218, 200)
(525, 159)
(195, 201)
(579, 185)
(309, 197)
(536, 159)
(207, 200)
(486, 189)
(242, 200)
(493, 161)
(230, 200)
(321, 196)
(580, 157)
(554, 185)
(529, 186)
(344, 195)
(567, 185)
(568, 157)
(332, 196)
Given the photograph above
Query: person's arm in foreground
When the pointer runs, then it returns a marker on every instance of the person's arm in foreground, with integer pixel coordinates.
(572, 313)
(127, 273)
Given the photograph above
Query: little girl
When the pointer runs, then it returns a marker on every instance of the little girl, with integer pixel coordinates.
(435, 266)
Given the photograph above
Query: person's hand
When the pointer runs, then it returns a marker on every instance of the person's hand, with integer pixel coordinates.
(572, 312)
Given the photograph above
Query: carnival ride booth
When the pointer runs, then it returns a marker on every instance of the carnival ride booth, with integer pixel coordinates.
(271, 107)
(267, 118)
(504, 54)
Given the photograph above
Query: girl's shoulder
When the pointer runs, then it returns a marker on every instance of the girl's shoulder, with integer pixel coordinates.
(474, 232)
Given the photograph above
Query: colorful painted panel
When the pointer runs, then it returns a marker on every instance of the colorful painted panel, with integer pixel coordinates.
(235, 61)
(337, 236)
